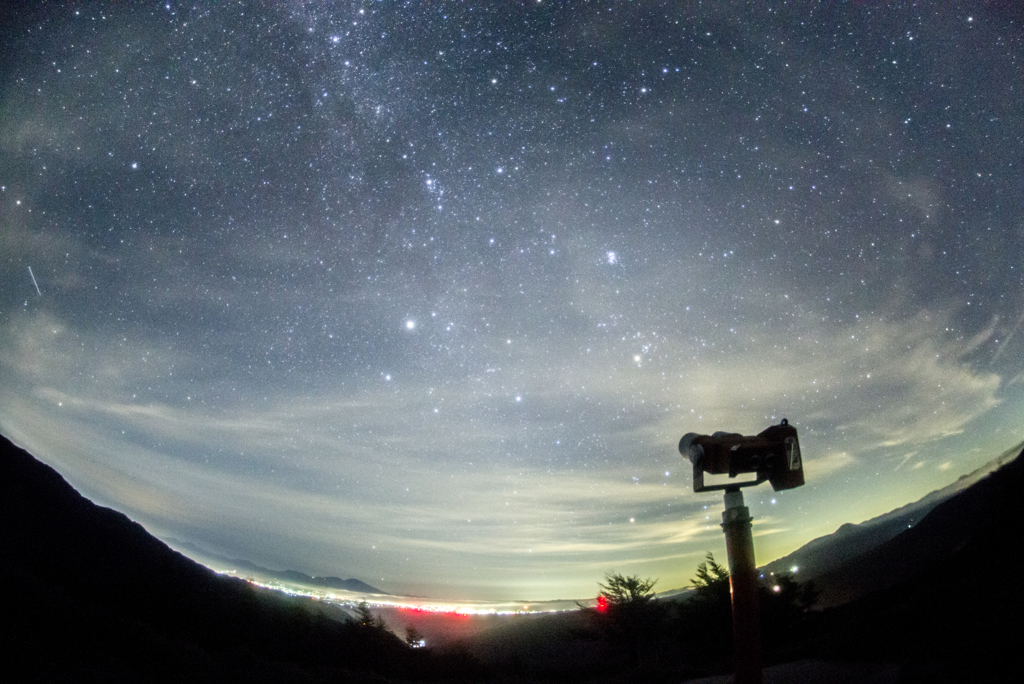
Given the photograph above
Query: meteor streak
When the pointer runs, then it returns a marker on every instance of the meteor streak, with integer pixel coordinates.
(34, 281)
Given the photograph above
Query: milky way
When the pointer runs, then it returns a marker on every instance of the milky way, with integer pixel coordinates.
(426, 294)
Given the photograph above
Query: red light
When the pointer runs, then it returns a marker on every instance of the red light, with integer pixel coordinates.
(602, 604)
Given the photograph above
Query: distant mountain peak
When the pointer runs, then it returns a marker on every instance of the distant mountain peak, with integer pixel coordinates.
(840, 563)
(214, 560)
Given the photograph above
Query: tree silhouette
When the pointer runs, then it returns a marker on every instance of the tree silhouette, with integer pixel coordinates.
(703, 622)
(628, 613)
(366, 618)
(712, 582)
(413, 637)
(785, 607)
(621, 591)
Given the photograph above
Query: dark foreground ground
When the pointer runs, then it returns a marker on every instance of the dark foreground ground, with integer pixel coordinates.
(88, 595)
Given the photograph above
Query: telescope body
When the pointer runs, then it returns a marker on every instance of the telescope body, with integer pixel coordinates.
(773, 455)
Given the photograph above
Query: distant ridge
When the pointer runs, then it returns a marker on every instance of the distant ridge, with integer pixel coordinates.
(293, 576)
(944, 597)
(967, 528)
(915, 540)
(826, 554)
(89, 595)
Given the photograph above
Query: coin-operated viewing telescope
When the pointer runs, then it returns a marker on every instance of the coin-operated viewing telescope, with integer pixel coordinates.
(772, 455)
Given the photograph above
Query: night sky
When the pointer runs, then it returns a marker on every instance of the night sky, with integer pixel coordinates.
(426, 294)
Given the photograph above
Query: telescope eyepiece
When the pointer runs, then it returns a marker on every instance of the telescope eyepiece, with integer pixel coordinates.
(694, 452)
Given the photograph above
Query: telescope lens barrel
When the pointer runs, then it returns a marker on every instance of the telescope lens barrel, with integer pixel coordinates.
(687, 448)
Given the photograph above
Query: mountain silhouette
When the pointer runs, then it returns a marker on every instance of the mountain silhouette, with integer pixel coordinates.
(293, 576)
(830, 561)
(944, 598)
(90, 595)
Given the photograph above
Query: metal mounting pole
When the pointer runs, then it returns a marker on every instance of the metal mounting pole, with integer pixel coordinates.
(746, 614)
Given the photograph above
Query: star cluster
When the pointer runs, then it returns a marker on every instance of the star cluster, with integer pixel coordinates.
(427, 293)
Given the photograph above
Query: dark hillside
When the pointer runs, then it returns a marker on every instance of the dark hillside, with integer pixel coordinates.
(89, 594)
(819, 559)
(981, 518)
(949, 593)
